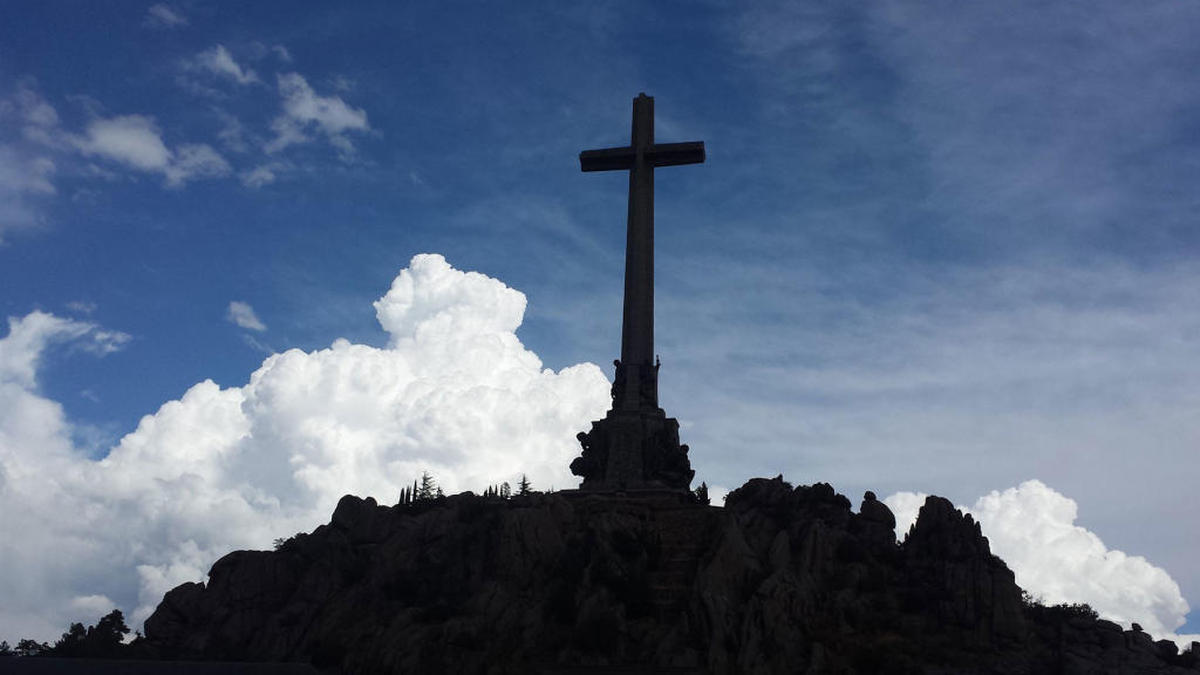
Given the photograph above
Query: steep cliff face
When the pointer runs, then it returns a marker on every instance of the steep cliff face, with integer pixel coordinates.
(780, 580)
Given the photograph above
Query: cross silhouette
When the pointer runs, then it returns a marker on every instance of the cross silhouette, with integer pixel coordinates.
(637, 375)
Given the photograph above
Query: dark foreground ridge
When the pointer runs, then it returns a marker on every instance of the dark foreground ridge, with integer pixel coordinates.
(781, 580)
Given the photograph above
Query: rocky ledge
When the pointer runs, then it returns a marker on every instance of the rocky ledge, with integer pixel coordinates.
(781, 580)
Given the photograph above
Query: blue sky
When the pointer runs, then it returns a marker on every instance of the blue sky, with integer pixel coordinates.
(936, 247)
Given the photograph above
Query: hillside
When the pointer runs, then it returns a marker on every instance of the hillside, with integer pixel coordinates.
(781, 580)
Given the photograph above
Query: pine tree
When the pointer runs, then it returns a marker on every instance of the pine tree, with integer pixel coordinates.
(73, 642)
(523, 488)
(108, 635)
(702, 493)
(505, 490)
(428, 488)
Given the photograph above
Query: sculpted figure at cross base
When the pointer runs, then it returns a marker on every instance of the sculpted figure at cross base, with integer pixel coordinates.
(636, 446)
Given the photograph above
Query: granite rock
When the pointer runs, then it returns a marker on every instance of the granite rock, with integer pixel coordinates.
(782, 580)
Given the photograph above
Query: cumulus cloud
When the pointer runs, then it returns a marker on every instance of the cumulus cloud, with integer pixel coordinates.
(163, 16)
(304, 109)
(220, 62)
(28, 338)
(1032, 527)
(133, 140)
(243, 315)
(136, 142)
(454, 392)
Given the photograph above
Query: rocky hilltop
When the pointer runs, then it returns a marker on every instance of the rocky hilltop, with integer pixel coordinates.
(781, 580)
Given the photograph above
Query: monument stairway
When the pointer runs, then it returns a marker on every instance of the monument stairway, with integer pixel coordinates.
(683, 531)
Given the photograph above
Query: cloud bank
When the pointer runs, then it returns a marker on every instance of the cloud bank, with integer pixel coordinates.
(1032, 527)
(454, 392)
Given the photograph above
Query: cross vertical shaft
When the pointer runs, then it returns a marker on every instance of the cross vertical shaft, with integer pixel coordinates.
(637, 331)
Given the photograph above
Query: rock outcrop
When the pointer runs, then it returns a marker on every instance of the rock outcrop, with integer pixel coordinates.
(781, 580)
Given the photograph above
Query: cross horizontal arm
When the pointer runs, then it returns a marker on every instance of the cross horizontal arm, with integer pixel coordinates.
(610, 159)
(674, 154)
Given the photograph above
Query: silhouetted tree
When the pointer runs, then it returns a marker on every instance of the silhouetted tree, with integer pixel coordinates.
(524, 488)
(111, 630)
(440, 494)
(5, 650)
(702, 493)
(505, 490)
(428, 487)
(73, 642)
(29, 647)
(104, 640)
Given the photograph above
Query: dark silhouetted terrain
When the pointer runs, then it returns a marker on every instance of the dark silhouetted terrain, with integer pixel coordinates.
(781, 580)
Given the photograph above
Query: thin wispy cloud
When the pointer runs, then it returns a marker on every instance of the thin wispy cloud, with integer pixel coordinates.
(261, 175)
(220, 62)
(242, 314)
(304, 110)
(25, 181)
(162, 15)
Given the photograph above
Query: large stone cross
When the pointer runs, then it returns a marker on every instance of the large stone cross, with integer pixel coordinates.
(636, 446)
(637, 376)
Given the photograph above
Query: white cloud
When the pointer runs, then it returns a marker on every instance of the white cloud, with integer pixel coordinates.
(29, 162)
(195, 160)
(163, 16)
(454, 392)
(26, 162)
(1032, 527)
(219, 61)
(81, 306)
(28, 338)
(303, 108)
(243, 315)
(23, 179)
(263, 174)
(35, 110)
(135, 141)
(232, 134)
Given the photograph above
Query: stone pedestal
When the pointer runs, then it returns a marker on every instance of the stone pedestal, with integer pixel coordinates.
(633, 450)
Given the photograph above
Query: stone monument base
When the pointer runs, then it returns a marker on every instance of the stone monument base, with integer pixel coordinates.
(633, 451)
